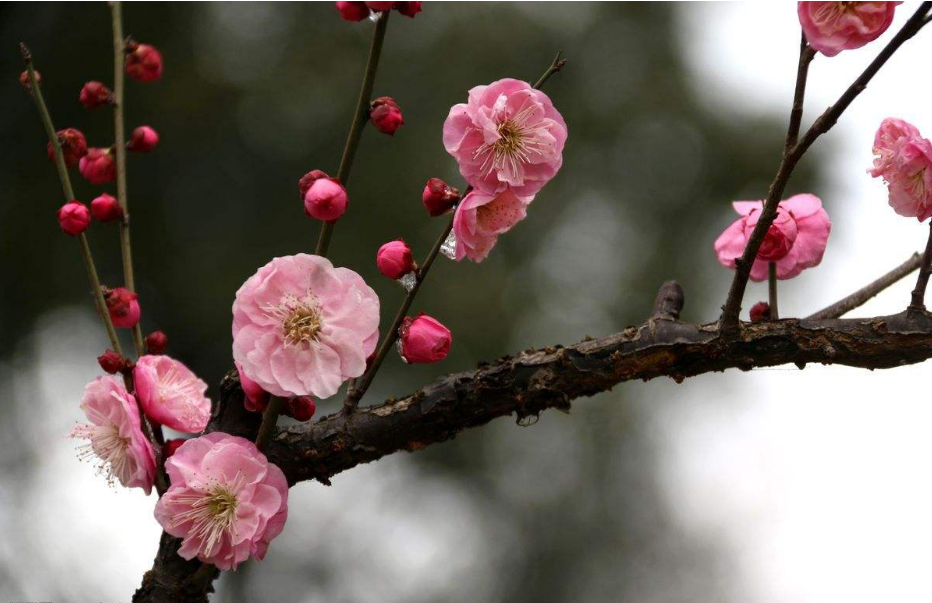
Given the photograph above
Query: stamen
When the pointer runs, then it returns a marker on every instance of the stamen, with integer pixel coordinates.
(212, 515)
(300, 318)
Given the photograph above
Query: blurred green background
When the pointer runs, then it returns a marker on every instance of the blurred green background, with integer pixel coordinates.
(255, 95)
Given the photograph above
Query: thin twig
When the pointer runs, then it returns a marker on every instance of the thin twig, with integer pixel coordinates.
(68, 192)
(358, 123)
(866, 293)
(729, 319)
(119, 136)
(772, 289)
(806, 54)
(357, 389)
(925, 267)
(269, 419)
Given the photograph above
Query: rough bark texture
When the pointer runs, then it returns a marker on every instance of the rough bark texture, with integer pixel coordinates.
(536, 380)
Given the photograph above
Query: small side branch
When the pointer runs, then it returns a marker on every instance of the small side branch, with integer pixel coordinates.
(866, 293)
(925, 267)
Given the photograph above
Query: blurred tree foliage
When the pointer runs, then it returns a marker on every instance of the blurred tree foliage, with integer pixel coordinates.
(254, 95)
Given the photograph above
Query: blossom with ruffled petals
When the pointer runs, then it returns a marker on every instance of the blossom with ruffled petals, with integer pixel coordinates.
(796, 240)
(904, 160)
(831, 27)
(507, 134)
(480, 218)
(171, 394)
(226, 500)
(115, 434)
(302, 327)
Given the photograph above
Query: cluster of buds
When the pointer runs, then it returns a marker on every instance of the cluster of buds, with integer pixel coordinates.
(94, 94)
(324, 197)
(358, 11)
(123, 306)
(439, 197)
(423, 340)
(385, 115)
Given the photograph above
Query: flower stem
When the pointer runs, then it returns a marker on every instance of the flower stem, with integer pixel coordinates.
(68, 192)
(917, 305)
(555, 66)
(269, 419)
(358, 390)
(357, 125)
(119, 136)
(772, 286)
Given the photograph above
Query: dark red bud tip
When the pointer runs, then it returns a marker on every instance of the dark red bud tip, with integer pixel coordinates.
(308, 179)
(111, 362)
(171, 446)
(760, 312)
(385, 115)
(156, 342)
(301, 408)
(353, 11)
(24, 80)
(408, 9)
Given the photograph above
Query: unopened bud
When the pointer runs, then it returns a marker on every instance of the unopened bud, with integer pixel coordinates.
(143, 62)
(385, 115)
(98, 166)
(301, 408)
(156, 342)
(353, 11)
(111, 362)
(394, 259)
(308, 179)
(95, 94)
(325, 200)
(424, 339)
(105, 208)
(408, 9)
(74, 218)
(24, 80)
(123, 306)
(73, 146)
(144, 139)
(439, 197)
(760, 312)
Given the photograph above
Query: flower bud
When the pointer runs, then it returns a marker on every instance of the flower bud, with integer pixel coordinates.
(380, 6)
(308, 179)
(424, 339)
(394, 259)
(353, 11)
(111, 362)
(156, 342)
(171, 446)
(325, 200)
(439, 197)
(143, 62)
(144, 140)
(385, 115)
(123, 306)
(760, 312)
(95, 94)
(301, 408)
(98, 166)
(24, 80)
(256, 398)
(74, 218)
(408, 9)
(106, 208)
(73, 146)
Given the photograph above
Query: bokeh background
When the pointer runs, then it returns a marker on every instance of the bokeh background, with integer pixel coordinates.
(773, 486)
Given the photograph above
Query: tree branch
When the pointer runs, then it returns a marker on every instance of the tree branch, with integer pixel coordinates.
(863, 295)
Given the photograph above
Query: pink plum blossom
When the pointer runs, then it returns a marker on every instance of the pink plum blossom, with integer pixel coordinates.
(831, 27)
(507, 135)
(796, 240)
(226, 501)
(115, 434)
(904, 160)
(481, 217)
(171, 394)
(302, 327)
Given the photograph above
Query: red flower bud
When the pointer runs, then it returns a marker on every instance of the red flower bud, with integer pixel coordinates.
(760, 312)
(123, 306)
(408, 9)
(144, 140)
(380, 6)
(308, 179)
(111, 362)
(424, 339)
(257, 399)
(301, 408)
(95, 94)
(98, 166)
(439, 197)
(353, 11)
(325, 200)
(106, 208)
(156, 341)
(143, 62)
(171, 446)
(24, 80)
(394, 259)
(385, 115)
(74, 218)
(73, 146)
